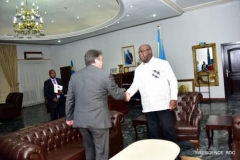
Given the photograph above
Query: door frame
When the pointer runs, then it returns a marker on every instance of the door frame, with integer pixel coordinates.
(224, 65)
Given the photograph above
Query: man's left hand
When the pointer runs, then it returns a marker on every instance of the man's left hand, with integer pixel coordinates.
(60, 91)
(69, 122)
(173, 104)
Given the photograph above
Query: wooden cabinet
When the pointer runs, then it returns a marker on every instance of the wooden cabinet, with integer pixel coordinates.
(117, 105)
(124, 80)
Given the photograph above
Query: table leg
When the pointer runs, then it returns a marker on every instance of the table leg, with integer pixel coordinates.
(208, 136)
(212, 134)
(230, 138)
(134, 126)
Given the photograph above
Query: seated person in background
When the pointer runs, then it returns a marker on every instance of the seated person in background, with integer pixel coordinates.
(204, 67)
(198, 67)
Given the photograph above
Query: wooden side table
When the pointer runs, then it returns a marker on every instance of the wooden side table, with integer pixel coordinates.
(219, 122)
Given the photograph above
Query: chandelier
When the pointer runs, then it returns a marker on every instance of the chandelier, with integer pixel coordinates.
(28, 23)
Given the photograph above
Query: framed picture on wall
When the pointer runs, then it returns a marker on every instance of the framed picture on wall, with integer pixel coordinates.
(185, 85)
(128, 56)
(113, 70)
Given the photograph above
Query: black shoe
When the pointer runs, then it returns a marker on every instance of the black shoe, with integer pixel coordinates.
(178, 158)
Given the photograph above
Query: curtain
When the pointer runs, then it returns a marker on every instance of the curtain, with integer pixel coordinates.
(5, 88)
(32, 74)
(8, 62)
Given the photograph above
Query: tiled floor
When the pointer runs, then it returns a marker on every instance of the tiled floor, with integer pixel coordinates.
(37, 114)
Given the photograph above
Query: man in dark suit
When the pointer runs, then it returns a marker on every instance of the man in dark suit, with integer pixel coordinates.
(87, 105)
(128, 58)
(56, 101)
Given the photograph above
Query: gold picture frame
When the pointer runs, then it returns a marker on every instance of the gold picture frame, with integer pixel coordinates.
(128, 56)
(113, 70)
(126, 69)
(120, 68)
(186, 85)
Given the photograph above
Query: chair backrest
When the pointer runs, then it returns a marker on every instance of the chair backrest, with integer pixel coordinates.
(15, 98)
(186, 105)
(236, 127)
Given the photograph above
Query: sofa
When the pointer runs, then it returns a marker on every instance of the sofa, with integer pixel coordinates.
(55, 140)
(236, 137)
(12, 106)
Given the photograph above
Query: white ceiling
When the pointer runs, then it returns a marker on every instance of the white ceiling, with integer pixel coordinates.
(78, 19)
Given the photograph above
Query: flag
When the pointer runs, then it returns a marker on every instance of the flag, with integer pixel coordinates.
(161, 53)
(208, 57)
(72, 68)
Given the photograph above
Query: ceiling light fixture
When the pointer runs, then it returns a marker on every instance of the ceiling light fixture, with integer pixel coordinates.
(30, 23)
(154, 15)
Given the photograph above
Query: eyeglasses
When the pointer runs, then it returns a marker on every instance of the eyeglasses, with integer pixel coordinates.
(141, 51)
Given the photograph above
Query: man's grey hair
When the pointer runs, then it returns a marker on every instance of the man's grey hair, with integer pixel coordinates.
(91, 55)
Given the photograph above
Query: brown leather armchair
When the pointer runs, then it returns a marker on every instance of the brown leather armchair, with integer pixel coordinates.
(187, 117)
(236, 137)
(12, 106)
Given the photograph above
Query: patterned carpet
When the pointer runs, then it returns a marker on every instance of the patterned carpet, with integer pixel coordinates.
(37, 114)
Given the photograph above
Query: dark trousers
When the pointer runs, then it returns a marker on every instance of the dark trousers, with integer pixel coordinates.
(57, 112)
(166, 119)
(96, 143)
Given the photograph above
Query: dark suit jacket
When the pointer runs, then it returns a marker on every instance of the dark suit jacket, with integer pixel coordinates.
(87, 98)
(50, 95)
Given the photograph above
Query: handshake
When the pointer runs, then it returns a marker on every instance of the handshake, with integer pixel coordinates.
(128, 97)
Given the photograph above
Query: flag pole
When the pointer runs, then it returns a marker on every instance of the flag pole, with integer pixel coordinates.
(159, 38)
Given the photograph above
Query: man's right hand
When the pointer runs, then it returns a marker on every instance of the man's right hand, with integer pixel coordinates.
(55, 99)
(127, 96)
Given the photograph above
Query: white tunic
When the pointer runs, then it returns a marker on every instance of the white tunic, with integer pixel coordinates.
(156, 83)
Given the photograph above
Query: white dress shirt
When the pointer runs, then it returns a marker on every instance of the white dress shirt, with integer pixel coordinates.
(58, 96)
(156, 83)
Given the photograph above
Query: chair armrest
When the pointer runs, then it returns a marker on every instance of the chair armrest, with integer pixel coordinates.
(16, 149)
(117, 118)
(197, 117)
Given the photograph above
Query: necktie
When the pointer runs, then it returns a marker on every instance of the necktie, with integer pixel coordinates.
(54, 82)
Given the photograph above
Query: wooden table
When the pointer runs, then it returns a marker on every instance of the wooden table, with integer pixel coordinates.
(150, 149)
(219, 122)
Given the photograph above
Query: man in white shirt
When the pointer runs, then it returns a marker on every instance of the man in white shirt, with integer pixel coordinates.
(157, 84)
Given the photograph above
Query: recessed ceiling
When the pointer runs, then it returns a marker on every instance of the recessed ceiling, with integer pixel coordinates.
(72, 20)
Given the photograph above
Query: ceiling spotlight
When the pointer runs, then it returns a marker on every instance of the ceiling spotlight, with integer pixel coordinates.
(45, 12)
(7, 0)
(131, 6)
(99, 5)
(128, 15)
(52, 21)
(154, 15)
(77, 17)
(59, 41)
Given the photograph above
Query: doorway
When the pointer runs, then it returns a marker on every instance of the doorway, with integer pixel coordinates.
(231, 70)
